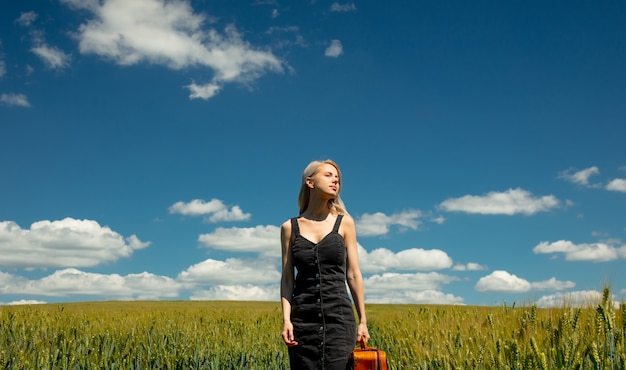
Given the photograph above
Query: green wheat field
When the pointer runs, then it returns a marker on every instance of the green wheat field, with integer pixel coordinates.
(246, 335)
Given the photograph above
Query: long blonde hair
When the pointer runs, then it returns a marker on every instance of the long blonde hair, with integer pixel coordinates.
(335, 205)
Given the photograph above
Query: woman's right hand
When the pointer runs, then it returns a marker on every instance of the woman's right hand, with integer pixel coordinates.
(288, 334)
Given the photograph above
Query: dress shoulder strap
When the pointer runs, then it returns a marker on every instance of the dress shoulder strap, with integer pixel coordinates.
(337, 223)
(295, 228)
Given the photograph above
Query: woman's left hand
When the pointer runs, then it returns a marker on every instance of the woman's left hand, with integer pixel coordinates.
(362, 334)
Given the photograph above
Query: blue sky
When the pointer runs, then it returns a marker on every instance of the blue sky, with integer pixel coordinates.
(151, 149)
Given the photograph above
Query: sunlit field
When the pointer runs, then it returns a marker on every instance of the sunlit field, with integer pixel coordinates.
(246, 335)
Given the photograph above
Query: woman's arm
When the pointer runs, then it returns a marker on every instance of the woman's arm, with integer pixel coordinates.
(286, 283)
(354, 276)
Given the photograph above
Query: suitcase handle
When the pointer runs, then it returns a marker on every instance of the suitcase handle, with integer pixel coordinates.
(361, 342)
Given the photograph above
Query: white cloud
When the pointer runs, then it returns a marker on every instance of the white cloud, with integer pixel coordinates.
(334, 50)
(260, 239)
(409, 288)
(65, 243)
(71, 282)
(150, 286)
(414, 259)
(238, 293)
(580, 177)
(583, 298)
(23, 302)
(471, 266)
(595, 252)
(169, 33)
(8, 280)
(204, 92)
(26, 18)
(18, 100)
(385, 288)
(421, 297)
(230, 272)
(215, 208)
(553, 284)
(504, 282)
(510, 202)
(343, 8)
(91, 5)
(378, 223)
(617, 185)
(53, 57)
(439, 220)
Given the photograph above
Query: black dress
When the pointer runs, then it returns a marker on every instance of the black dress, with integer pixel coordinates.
(321, 310)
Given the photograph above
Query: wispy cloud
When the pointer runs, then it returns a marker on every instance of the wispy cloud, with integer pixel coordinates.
(171, 34)
(334, 50)
(26, 18)
(439, 220)
(594, 252)
(53, 57)
(287, 36)
(3, 68)
(580, 177)
(205, 91)
(343, 8)
(471, 266)
(510, 202)
(18, 100)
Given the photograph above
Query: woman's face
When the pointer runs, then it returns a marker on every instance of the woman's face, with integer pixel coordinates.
(325, 180)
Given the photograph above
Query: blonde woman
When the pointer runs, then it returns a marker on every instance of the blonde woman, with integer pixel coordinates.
(318, 319)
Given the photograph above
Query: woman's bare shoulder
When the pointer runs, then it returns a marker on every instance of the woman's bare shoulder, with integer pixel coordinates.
(347, 219)
(286, 226)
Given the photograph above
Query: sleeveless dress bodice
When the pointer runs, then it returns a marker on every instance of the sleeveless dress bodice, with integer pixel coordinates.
(321, 310)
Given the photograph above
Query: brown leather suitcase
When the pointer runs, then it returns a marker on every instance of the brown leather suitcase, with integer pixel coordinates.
(368, 358)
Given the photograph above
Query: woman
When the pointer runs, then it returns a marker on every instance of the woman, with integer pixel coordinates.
(319, 325)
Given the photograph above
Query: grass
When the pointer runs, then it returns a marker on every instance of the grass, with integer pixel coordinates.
(246, 335)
